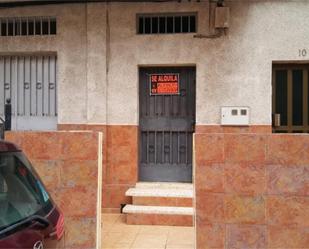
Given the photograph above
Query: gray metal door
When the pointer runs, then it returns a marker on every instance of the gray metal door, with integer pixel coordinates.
(30, 83)
(166, 125)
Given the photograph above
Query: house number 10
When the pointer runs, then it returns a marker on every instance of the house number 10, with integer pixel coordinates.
(302, 52)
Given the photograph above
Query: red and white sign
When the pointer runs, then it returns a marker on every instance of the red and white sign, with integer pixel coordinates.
(164, 84)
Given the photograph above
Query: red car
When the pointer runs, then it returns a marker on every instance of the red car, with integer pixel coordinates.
(28, 216)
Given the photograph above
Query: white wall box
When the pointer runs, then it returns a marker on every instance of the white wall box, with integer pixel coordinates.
(235, 115)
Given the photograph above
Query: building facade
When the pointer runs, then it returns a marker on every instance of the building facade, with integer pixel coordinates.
(97, 66)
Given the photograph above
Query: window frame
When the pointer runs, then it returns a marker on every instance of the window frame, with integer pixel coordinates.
(167, 14)
(289, 127)
(27, 23)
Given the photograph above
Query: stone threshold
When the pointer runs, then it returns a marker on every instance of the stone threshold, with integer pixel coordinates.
(158, 189)
(137, 209)
(174, 185)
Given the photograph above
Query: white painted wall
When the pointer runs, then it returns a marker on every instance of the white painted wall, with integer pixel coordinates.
(231, 70)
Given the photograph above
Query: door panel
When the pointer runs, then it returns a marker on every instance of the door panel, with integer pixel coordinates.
(30, 83)
(166, 126)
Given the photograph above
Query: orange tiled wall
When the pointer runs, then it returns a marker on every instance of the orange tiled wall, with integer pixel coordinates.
(233, 129)
(252, 190)
(68, 165)
(120, 161)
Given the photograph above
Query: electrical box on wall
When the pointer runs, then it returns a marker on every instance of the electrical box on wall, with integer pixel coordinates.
(222, 17)
(235, 115)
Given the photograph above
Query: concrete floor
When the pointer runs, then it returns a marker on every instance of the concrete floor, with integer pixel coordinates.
(118, 235)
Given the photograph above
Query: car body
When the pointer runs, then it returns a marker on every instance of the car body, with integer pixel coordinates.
(29, 218)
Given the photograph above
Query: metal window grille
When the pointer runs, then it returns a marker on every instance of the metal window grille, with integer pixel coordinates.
(166, 23)
(28, 26)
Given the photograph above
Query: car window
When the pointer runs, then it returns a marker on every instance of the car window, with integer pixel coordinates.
(22, 194)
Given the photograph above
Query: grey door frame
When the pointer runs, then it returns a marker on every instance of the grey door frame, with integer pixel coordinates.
(161, 170)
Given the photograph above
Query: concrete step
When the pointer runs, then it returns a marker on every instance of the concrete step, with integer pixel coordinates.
(158, 195)
(159, 215)
(160, 203)
(160, 192)
(158, 210)
(173, 185)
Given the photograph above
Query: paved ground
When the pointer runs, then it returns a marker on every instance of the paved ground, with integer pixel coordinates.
(118, 235)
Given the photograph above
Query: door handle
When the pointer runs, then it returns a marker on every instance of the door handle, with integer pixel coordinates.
(276, 119)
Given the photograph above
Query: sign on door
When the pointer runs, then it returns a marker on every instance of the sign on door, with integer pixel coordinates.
(164, 84)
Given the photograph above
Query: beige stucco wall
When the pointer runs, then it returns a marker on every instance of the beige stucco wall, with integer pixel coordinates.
(231, 70)
(80, 48)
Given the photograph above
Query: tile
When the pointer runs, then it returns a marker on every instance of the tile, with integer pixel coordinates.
(122, 173)
(114, 195)
(288, 237)
(116, 246)
(122, 134)
(245, 178)
(245, 148)
(122, 237)
(104, 232)
(184, 202)
(72, 127)
(50, 151)
(183, 237)
(79, 145)
(121, 219)
(246, 236)
(162, 201)
(210, 177)
(145, 236)
(124, 228)
(230, 129)
(154, 201)
(80, 232)
(79, 173)
(244, 209)
(180, 229)
(159, 219)
(15, 137)
(111, 210)
(288, 210)
(49, 171)
(110, 218)
(210, 235)
(122, 154)
(77, 202)
(154, 230)
(261, 129)
(42, 145)
(199, 129)
(147, 246)
(291, 180)
(240, 129)
(179, 246)
(210, 207)
(209, 148)
(107, 227)
(288, 150)
(150, 241)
